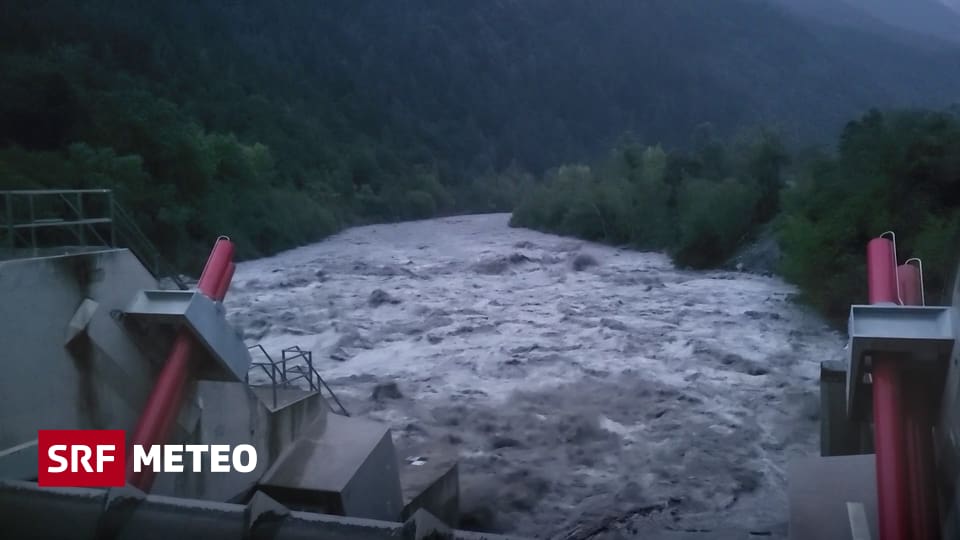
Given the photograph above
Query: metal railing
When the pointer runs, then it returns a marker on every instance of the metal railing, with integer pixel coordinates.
(284, 373)
(33, 220)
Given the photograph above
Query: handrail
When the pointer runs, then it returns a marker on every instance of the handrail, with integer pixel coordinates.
(69, 215)
(52, 191)
(308, 359)
(280, 375)
(272, 373)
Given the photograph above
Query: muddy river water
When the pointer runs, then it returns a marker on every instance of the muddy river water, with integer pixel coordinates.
(591, 391)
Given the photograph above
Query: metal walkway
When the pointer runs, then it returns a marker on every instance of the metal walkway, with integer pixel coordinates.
(35, 223)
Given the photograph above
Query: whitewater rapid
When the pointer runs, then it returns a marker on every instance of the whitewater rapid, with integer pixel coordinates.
(620, 398)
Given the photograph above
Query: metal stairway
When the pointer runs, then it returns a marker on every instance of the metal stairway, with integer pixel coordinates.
(295, 365)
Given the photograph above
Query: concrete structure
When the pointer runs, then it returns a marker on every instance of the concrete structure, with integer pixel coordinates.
(429, 476)
(91, 379)
(233, 413)
(83, 337)
(341, 465)
(125, 513)
(155, 316)
(901, 384)
(839, 435)
(821, 491)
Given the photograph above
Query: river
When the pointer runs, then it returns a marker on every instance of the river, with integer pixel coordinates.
(591, 391)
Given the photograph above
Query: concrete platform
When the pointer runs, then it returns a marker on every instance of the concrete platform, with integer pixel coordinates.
(819, 490)
(285, 396)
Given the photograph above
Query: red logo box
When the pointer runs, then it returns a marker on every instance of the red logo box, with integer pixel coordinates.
(81, 458)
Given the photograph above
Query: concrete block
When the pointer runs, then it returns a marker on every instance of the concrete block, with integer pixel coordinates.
(347, 467)
(422, 525)
(430, 480)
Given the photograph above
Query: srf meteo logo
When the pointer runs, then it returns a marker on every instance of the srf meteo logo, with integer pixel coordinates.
(98, 458)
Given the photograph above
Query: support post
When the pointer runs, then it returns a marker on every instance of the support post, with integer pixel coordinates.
(11, 231)
(81, 233)
(892, 488)
(33, 225)
(113, 221)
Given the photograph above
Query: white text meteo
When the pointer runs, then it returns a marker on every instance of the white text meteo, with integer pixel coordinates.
(192, 457)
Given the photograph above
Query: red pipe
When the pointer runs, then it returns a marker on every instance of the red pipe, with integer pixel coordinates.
(221, 257)
(908, 276)
(881, 272)
(892, 488)
(163, 405)
(925, 518)
(225, 283)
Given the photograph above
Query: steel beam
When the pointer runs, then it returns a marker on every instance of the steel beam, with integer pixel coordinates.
(204, 318)
(909, 333)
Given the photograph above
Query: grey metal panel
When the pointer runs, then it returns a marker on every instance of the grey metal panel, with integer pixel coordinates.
(819, 490)
(206, 320)
(917, 333)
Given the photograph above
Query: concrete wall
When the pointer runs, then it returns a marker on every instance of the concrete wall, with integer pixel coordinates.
(101, 380)
(29, 512)
(96, 376)
(230, 413)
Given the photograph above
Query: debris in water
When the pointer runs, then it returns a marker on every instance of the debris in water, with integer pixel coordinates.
(583, 261)
(380, 297)
(384, 391)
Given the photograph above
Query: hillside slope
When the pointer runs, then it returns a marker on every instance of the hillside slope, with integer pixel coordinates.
(931, 17)
(324, 113)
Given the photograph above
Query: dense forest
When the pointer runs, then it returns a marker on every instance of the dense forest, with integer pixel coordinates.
(898, 170)
(281, 124)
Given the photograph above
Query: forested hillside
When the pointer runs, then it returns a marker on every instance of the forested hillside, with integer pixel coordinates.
(896, 171)
(278, 123)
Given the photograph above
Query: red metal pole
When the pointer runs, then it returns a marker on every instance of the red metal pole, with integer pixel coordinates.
(163, 405)
(221, 257)
(908, 276)
(881, 272)
(925, 518)
(225, 283)
(892, 488)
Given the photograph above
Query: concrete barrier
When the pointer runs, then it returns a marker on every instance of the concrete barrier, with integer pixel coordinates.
(27, 511)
